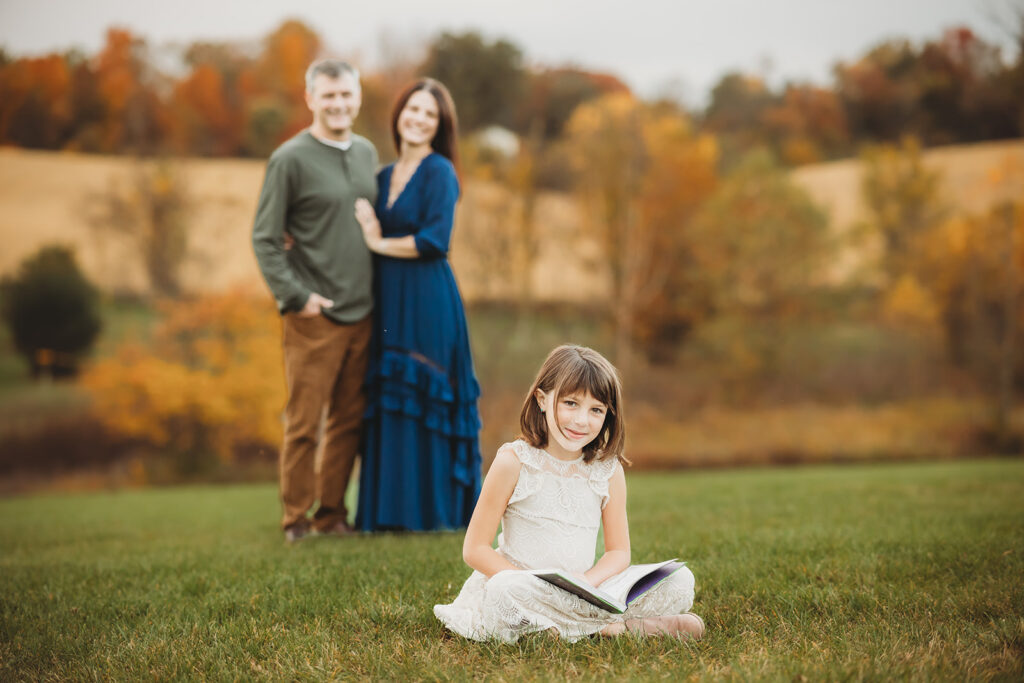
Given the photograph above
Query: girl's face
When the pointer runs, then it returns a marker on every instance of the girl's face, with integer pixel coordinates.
(418, 120)
(573, 423)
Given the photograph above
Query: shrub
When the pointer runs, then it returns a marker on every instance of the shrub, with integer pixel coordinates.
(52, 311)
(209, 384)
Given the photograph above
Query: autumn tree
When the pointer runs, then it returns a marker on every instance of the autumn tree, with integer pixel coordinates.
(903, 200)
(806, 125)
(992, 284)
(551, 97)
(36, 110)
(486, 79)
(553, 94)
(89, 111)
(975, 268)
(959, 97)
(640, 176)
(208, 101)
(949, 90)
(609, 157)
(761, 251)
(274, 87)
(680, 176)
(151, 210)
(738, 102)
(134, 120)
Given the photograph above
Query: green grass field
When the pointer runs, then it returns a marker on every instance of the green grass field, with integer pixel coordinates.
(826, 573)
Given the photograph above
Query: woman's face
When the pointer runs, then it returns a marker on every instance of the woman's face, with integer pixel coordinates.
(418, 120)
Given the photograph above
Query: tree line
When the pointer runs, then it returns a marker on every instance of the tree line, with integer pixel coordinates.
(234, 99)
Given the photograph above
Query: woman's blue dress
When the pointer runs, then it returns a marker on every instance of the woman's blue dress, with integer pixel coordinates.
(421, 457)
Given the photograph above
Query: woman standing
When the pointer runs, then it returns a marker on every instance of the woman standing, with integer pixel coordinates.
(421, 460)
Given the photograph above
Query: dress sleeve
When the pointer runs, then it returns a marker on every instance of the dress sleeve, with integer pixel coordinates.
(441, 191)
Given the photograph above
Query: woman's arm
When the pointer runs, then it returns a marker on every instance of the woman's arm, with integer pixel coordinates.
(398, 247)
(616, 532)
(497, 488)
(440, 192)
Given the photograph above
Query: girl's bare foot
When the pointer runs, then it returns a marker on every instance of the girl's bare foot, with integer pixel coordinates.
(677, 625)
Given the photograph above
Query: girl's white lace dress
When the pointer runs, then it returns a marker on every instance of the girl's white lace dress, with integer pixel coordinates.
(551, 521)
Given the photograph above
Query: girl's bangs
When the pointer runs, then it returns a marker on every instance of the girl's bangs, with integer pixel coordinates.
(584, 377)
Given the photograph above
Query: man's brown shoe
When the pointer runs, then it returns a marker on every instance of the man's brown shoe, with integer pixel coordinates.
(339, 528)
(295, 532)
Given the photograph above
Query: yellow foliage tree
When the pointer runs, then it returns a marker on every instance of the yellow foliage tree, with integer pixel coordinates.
(903, 197)
(210, 381)
(975, 264)
(909, 303)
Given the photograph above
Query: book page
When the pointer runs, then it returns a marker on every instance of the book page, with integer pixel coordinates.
(619, 585)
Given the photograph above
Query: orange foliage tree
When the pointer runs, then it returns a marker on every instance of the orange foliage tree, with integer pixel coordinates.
(135, 120)
(280, 69)
(209, 103)
(35, 109)
(808, 124)
(207, 122)
(210, 381)
(641, 173)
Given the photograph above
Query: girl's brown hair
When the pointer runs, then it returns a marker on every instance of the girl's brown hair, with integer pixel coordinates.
(446, 140)
(569, 370)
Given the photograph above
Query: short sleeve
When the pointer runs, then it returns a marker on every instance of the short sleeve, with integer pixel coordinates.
(601, 472)
(529, 474)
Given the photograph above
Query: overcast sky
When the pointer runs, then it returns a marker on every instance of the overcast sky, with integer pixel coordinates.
(679, 47)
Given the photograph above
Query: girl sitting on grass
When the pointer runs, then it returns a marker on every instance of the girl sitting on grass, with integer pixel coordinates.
(552, 490)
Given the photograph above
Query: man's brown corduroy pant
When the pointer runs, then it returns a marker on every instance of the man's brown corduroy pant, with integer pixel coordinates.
(324, 365)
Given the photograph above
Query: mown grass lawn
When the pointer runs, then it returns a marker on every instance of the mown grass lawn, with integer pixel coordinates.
(909, 571)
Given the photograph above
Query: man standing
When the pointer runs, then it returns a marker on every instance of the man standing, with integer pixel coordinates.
(322, 285)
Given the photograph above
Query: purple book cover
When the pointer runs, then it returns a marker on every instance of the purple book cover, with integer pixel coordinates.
(651, 580)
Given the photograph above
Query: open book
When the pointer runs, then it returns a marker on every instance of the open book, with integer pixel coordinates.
(618, 591)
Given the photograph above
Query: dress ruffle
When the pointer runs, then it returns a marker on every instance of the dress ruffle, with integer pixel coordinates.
(401, 383)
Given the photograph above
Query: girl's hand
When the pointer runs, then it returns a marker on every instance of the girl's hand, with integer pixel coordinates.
(368, 222)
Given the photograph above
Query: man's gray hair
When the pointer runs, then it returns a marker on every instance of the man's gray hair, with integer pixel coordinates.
(332, 68)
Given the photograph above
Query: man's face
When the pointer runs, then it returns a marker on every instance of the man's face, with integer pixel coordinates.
(335, 104)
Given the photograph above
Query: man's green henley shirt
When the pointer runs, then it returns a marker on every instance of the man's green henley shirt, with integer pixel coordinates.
(310, 190)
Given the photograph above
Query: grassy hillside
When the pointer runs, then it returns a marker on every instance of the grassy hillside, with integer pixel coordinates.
(50, 196)
(831, 573)
(965, 183)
